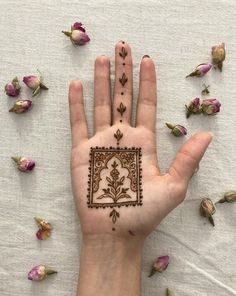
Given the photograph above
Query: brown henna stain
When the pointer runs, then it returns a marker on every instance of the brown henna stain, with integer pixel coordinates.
(131, 233)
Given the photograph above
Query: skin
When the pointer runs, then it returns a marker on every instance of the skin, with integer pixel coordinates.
(110, 261)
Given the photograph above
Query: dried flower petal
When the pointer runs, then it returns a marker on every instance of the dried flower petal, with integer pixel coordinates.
(200, 70)
(40, 272)
(205, 91)
(218, 55)
(193, 107)
(35, 83)
(12, 88)
(210, 106)
(159, 265)
(77, 35)
(229, 196)
(207, 209)
(24, 164)
(177, 130)
(21, 106)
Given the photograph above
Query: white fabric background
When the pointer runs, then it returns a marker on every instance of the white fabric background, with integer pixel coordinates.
(178, 35)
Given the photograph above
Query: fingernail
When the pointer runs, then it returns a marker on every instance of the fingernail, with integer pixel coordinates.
(146, 56)
(212, 135)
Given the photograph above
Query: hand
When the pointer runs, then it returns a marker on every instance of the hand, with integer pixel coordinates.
(161, 192)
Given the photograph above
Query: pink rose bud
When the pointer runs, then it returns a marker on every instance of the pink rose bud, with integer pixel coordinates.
(21, 106)
(35, 83)
(12, 89)
(77, 34)
(40, 272)
(45, 228)
(193, 107)
(229, 196)
(43, 234)
(218, 55)
(24, 164)
(159, 265)
(177, 130)
(200, 70)
(210, 106)
(207, 209)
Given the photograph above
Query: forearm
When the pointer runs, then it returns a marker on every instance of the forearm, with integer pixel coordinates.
(110, 266)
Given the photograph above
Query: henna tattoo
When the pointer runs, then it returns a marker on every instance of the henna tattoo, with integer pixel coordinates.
(123, 79)
(114, 179)
(121, 109)
(114, 215)
(123, 53)
(118, 135)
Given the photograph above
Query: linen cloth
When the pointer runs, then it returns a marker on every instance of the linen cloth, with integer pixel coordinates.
(178, 35)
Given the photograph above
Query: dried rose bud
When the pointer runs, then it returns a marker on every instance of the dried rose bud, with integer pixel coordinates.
(40, 272)
(218, 55)
(193, 107)
(229, 196)
(210, 106)
(177, 130)
(207, 209)
(45, 228)
(42, 224)
(159, 265)
(169, 292)
(200, 70)
(24, 164)
(43, 234)
(35, 83)
(77, 34)
(21, 106)
(12, 89)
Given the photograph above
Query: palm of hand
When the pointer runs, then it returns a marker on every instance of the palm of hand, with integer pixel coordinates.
(161, 193)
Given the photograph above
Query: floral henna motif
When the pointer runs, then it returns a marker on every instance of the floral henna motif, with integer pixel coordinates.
(121, 109)
(115, 191)
(123, 53)
(114, 179)
(123, 79)
(118, 135)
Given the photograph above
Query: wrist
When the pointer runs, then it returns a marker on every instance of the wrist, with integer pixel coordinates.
(110, 265)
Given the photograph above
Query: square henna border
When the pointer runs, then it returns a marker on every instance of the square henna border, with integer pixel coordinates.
(138, 202)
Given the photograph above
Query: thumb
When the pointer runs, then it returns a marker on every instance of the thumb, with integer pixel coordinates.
(189, 156)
